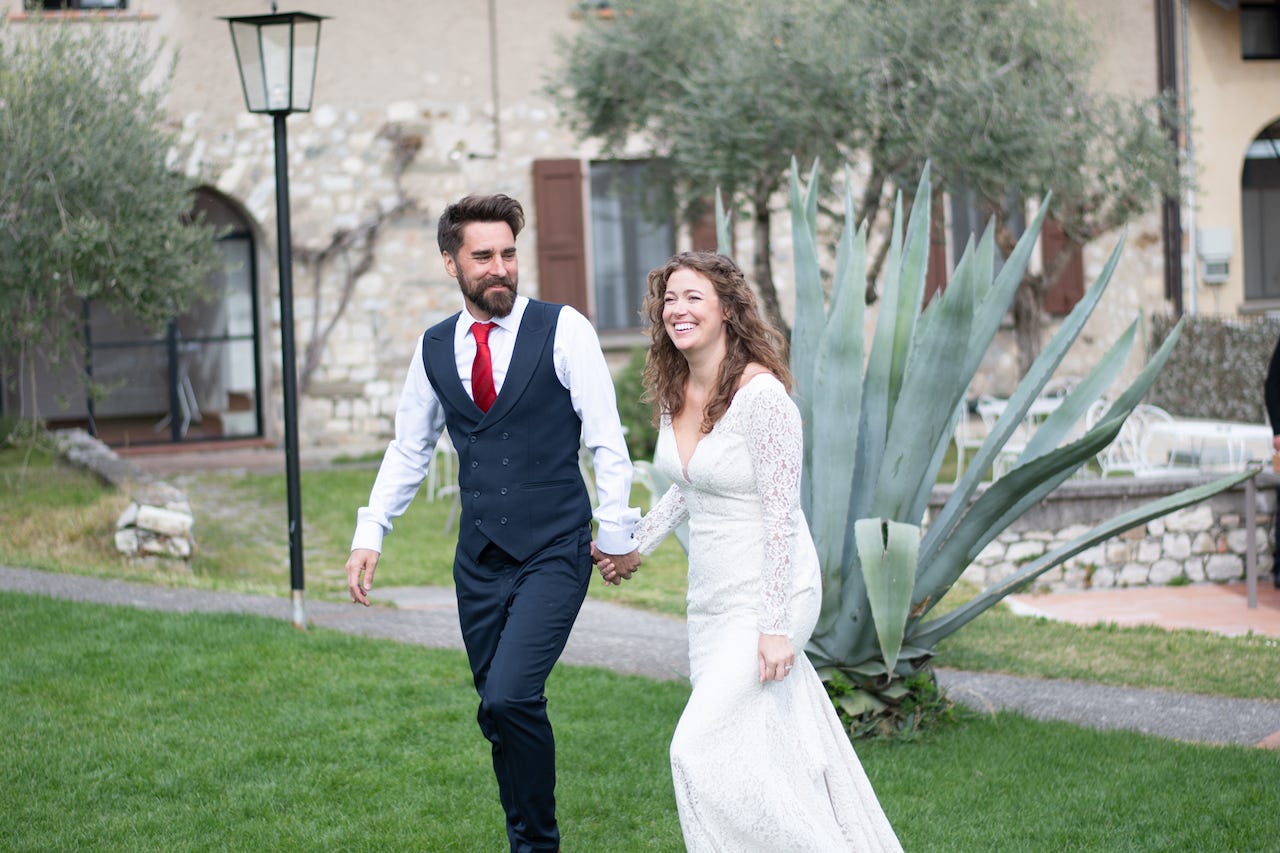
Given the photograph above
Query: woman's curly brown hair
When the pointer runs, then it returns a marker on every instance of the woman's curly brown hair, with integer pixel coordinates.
(748, 338)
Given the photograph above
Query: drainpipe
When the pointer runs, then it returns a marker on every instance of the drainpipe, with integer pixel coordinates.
(1189, 161)
(1170, 214)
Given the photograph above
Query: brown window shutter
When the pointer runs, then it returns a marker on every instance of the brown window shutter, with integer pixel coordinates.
(1063, 294)
(557, 198)
(702, 226)
(935, 275)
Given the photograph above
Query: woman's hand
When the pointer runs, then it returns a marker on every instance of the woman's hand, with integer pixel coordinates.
(776, 657)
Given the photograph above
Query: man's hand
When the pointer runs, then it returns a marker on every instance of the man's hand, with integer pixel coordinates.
(360, 566)
(615, 568)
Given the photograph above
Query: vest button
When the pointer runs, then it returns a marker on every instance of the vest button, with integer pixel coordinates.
(477, 522)
(505, 436)
(504, 462)
(476, 493)
(475, 464)
(502, 520)
(473, 439)
(503, 491)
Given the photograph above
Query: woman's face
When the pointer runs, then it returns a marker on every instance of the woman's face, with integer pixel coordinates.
(691, 312)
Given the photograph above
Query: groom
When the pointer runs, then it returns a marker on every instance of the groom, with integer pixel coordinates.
(518, 383)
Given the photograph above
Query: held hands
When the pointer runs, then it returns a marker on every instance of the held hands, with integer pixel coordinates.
(776, 657)
(360, 566)
(615, 568)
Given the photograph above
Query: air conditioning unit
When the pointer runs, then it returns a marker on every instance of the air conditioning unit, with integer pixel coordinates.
(1213, 245)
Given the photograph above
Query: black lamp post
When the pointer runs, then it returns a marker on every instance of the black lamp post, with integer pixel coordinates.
(276, 55)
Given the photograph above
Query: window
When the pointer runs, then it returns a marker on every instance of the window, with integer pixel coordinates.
(67, 5)
(1260, 215)
(631, 233)
(1259, 31)
(629, 209)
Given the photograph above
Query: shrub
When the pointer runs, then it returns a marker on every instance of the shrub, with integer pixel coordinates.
(637, 416)
(1217, 367)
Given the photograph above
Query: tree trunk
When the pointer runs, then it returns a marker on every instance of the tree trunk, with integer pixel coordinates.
(1028, 324)
(764, 266)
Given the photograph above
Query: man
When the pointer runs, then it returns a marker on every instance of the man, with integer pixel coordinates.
(518, 383)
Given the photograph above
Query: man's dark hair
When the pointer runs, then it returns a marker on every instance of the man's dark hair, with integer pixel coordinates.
(477, 208)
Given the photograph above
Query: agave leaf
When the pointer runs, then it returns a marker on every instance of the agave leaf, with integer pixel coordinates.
(837, 382)
(1012, 495)
(810, 312)
(875, 393)
(887, 551)
(1041, 370)
(870, 668)
(999, 295)
(896, 691)
(859, 702)
(1061, 421)
(1003, 502)
(910, 283)
(931, 388)
(724, 227)
(933, 631)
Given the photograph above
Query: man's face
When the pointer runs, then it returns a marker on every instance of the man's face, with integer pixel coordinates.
(485, 268)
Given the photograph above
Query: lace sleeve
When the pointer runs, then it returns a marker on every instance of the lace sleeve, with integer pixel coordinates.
(666, 515)
(775, 441)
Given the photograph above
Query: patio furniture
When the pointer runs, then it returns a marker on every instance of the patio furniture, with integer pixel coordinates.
(1211, 444)
(1130, 452)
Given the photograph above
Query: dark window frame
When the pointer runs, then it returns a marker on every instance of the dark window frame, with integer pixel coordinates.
(1259, 32)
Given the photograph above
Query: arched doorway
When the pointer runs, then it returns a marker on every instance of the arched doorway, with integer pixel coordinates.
(200, 379)
(1260, 215)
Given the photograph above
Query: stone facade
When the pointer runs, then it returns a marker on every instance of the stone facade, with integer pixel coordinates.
(418, 102)
(1203, 543)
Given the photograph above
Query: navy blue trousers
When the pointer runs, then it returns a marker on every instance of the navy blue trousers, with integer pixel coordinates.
(516, 617)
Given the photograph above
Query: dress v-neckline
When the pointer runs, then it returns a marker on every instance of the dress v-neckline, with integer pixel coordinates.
(675, 441)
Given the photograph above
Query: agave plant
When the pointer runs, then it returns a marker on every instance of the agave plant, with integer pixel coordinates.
(877, 428)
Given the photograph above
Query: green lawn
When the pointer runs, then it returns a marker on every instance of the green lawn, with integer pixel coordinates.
(146, 731)
(133, 730)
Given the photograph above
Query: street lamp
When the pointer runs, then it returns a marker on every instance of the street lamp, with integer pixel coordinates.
(276, 55)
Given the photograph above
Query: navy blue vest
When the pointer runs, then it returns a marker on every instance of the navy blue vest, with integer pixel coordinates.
(518, 473)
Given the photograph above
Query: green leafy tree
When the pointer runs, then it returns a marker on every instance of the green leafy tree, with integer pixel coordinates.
(995, 95)
(88, 208)
(725, 90)
(878, 418)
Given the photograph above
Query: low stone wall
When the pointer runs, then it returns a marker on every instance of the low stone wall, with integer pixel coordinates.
(1205, 542)
(158, 521)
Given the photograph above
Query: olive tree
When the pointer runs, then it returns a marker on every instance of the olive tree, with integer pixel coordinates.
(89, 210)
(996, 95)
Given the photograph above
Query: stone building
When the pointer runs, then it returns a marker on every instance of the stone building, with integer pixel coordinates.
(418, 102)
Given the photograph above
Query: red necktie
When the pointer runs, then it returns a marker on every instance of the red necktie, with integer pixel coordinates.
(482, 368)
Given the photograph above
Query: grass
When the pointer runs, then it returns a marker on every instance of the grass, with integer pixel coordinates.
(159, 731)
(1137, 656)
(59, 518)
(149, 731)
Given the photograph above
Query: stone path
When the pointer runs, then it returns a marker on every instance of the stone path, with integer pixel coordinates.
(637, 643)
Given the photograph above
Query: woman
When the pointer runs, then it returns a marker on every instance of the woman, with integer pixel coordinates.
(759, 759)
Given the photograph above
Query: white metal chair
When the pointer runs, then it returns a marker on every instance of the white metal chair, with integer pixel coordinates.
(1130, 453)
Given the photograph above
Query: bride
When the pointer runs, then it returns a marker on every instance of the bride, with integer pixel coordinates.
(759, 759)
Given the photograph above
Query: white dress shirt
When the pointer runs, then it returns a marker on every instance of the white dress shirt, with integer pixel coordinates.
(580, 367)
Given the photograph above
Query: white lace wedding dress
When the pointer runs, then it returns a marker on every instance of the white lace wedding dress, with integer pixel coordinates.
(757, 767)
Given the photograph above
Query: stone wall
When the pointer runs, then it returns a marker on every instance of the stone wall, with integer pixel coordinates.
(158, 521)
(1206, 542)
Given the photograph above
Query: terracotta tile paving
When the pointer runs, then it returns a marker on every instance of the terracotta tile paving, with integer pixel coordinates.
(1221, 608)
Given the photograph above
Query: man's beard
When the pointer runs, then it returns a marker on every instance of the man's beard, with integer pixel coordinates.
(497, 302)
